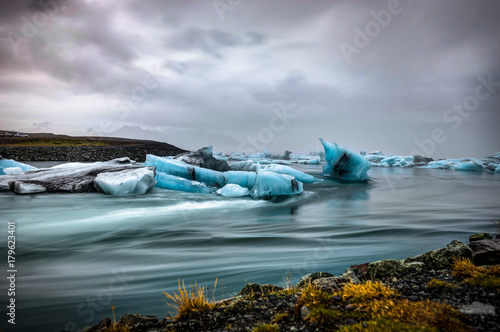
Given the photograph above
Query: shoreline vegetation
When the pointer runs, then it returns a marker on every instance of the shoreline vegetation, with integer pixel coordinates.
(456, 288)
(50, 147)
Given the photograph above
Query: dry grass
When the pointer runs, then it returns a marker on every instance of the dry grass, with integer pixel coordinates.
(369, 290)
(439, 285)
(115, 326)
(488, 278)
(187, 302)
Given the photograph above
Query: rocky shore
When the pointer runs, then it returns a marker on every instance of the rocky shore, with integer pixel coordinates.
(456, 288)
(87, 153)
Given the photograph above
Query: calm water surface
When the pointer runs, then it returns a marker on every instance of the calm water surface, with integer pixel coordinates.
(78, 254)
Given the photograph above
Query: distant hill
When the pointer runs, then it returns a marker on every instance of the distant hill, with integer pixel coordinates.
(51, 147)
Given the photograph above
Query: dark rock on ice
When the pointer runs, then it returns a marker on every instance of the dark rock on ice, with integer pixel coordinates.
(203, 158)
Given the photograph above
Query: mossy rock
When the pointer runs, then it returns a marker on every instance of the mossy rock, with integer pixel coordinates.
(309, 278)
(141, 323)
(442, 258)
(253, 289)
(389, 268)
(480, 236)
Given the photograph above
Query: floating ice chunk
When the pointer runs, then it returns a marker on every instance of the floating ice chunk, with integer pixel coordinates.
(173, 182)
(70, 179)
(241, 178)
(344, 164)
(13, 170)
(269, 184)
(315, 161)
(209, 177)
(233, 190)
(8, 163)
(238, 156)
(473, 165)
(465, 164)
(282, 169)
(398, 161)
(246, 165)
(374, 158)
(129, 182)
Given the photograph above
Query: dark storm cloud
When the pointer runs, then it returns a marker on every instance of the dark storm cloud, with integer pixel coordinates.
(228, 75)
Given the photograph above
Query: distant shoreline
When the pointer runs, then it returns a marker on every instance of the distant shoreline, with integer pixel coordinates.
(50, 147)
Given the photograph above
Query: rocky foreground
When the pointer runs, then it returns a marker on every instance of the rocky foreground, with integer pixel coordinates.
(456, 288)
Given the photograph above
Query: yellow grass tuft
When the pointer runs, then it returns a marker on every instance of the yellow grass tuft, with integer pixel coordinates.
(357, 293)
(187, 302)
(488, 278)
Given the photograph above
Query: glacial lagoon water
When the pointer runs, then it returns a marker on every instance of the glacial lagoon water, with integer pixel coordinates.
(78, 254)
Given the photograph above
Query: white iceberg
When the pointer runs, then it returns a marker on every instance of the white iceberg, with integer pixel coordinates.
(13, 170)
(269, 184)
(128, 182)
(233, 190)
(9, 163)
(209, 177)
(173, 182)
(344, 164)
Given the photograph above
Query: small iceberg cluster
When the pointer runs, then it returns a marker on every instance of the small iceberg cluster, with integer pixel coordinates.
(488, 164)
(249, 179)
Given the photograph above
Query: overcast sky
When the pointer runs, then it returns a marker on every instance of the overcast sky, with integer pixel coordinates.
(402, 77)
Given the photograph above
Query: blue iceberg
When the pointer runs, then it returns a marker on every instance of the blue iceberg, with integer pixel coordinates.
(209, 177)
(9, 163)
(173, 182)
(269, 184)
(241, 178)
(344, 164)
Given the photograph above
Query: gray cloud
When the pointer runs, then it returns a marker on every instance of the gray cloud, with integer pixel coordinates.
(86, 63)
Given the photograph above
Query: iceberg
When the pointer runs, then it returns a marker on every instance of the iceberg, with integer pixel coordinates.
(173, 182)
(344, 164)
(74, 178)
(241, 178)
(128, 182)
(9, 163)
(233, 190)
(269, 184)
(282, 169)
(209, 177)
(250, 166)
(464, 164)
(203, 158)
(246, 165)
